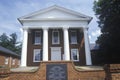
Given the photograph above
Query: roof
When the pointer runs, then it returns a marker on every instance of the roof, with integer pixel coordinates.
(94, 46)
(54, 8)
(7, 51)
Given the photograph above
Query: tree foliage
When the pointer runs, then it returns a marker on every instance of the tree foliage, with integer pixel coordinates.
(10, 42)
(108, 13)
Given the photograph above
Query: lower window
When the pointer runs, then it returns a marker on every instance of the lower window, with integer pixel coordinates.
(37, 55)
(13, 62)
(74, 55)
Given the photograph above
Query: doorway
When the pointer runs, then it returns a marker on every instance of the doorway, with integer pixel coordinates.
(55, 53)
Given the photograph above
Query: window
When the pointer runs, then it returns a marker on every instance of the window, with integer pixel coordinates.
(74, 55)
(55, 37)
(37, 55)
(19, 62)
(73, 37)
(37, 37)
(13, 62)
(6, 60)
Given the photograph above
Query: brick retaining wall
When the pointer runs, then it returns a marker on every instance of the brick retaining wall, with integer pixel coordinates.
(72, 72)
(112, 71)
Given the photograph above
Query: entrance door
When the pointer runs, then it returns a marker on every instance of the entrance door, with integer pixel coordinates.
(56, 54)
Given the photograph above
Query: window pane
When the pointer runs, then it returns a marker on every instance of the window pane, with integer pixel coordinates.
(37, 37)
(6, 60)
(37, 55)
(74, 54)
(37, 40)
(73, 37)
(13, 62)
(55, 37)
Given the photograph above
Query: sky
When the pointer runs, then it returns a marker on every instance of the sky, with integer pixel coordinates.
(10, 10)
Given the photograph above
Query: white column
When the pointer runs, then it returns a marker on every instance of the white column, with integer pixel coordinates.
(24, 48)
(87, 47)
(66, 45)
(45, 44)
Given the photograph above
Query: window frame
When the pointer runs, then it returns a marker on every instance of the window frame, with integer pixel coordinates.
(40, 38)
(71, 42)
(34, 53)
(53, 37)
(73, 50)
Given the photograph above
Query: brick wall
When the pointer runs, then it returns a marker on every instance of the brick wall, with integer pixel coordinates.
(10, 64)
(73, 74)
(112, 71)
(15, 63)
(2, 60)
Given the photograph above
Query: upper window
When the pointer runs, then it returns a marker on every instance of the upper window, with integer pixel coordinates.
(73, 37)
(37, 37)
(55, 37)
(74, 54)
(37, 55)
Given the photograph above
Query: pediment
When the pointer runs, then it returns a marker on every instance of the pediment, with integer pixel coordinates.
(55, 12)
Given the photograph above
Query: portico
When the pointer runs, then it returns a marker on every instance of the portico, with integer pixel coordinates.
(55, 33)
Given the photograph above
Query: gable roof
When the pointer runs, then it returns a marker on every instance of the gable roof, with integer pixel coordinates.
(55, 7)
(7, 51)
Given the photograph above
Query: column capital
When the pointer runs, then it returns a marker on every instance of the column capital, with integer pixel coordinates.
(65, 27)
(45, 28)
(25, 28)
(85, 28)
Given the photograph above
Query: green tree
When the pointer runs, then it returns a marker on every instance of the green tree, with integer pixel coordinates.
(4, 40)
(10, 42)
(108, 13)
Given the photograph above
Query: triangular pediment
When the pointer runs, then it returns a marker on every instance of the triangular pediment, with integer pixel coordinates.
(55, 12)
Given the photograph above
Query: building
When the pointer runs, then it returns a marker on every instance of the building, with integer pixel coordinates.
(94, 47)
(55, 34)
(8, 58)
(96, 57)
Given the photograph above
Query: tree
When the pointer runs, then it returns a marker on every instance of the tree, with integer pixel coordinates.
(108, 13)
(10, 42)
(4, 40)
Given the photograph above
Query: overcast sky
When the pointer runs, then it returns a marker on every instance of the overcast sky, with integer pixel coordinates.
(10, 10)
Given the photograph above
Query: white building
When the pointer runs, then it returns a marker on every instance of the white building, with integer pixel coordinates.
(55, 34)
